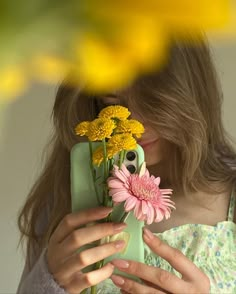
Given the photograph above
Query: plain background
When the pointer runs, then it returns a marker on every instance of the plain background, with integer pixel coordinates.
(24, 130)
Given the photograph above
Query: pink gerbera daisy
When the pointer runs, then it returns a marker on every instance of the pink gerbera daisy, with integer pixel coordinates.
(141, 194)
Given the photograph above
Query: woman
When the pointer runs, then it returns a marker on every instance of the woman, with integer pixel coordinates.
(186, 145)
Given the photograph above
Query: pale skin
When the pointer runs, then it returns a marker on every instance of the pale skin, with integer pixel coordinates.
(158, 281)
(66, 264)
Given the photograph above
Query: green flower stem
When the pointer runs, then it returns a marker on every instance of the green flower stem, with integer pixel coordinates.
(94, 289)
(93, 172)
(98, 265)
(105, 159)
(105, 174)
(124, 217)
(108, 219)
(122, 156)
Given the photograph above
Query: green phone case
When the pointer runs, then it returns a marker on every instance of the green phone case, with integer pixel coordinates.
(83, 196)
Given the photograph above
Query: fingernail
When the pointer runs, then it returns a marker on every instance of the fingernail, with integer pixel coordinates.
(117, 280)
(119, 244)
(120, 263)
(148, 234)
(119, 227)
(104, 211)
(111, 266)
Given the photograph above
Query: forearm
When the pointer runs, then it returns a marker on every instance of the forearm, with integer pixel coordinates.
(39, 280)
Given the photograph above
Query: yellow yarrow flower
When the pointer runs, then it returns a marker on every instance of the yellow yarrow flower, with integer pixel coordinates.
(82, 128)
(98, 154)
(100, 128)
(114, 111)
(123, 141)
(130, 126)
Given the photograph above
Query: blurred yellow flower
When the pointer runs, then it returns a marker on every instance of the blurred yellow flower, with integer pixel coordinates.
(123, 141)
(104, 44)
(82, 128)
(49, 68)
(132, 126)
(13, 82)
(135, 36)
(101, 65)
(100, 128)
(114, 111)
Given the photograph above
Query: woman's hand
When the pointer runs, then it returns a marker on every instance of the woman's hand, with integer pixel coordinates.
(65, 264)
(157, 280)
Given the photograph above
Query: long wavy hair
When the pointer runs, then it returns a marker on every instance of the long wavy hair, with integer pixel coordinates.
(182, 101)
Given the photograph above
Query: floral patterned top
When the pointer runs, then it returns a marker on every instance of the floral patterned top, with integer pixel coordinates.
(211, 248)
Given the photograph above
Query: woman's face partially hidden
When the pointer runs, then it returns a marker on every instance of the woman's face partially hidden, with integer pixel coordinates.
(152, 144)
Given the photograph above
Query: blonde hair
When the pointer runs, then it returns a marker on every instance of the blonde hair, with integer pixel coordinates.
(183, 102)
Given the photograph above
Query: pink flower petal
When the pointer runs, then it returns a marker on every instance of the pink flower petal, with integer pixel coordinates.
(147, 174)
(167, 214)
(141, 194)
(120, 196)
(125, 170)
(120, 175)
(166, 191)
(130, 203)
(143, 217)
(114, 183)
(142, 169)
(150, 214)
(157, 181)
(138, 210)
(159, 215)
(114, 190)
(144, 207)
(114, 170)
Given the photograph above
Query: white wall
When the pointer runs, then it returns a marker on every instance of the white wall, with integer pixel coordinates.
(22, 136)
(225, 55)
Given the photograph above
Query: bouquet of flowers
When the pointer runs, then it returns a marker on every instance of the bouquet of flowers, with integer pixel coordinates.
(139, 192)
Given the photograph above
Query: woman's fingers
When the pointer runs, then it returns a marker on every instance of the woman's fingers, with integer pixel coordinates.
(87, 235)
(193, 279)
(154, 275)
(85, 258)
(74, 220)
(82, 281)
(132, 287)
(176, 258)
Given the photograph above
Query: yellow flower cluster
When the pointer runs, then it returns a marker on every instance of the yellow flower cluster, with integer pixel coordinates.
(123, 141)
(98, 154)
(115, 111)
(130, 126)
(97, 130)
(116, 144)
(100, 129)
(113, 128)
(82, 128)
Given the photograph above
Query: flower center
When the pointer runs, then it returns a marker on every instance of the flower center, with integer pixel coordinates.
(143, 188)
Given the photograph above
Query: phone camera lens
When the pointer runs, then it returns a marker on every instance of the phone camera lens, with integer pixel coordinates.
(131, 168)
(130, 155)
